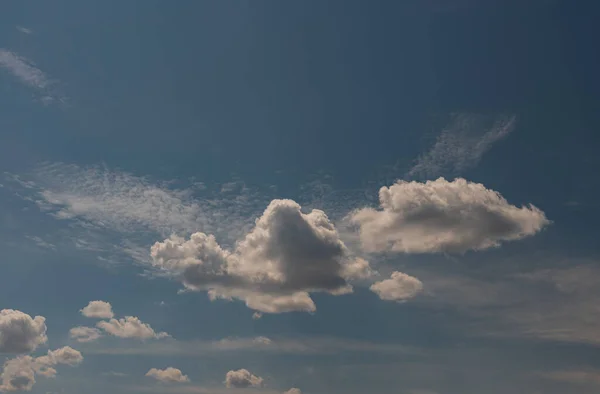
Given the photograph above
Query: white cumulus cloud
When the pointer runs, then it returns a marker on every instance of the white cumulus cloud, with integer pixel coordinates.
(18, 374)
(84, 334)
(130, 327)
(242, 378)
(273, 268)
(400, 287)
(20, 333)
(443, 216)
(98, 309)
(168, 375)
(293, 390)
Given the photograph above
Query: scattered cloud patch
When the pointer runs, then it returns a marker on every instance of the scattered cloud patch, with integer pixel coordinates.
(576, 376)
(242, 378)
(462, 144)
(130, 327)
(98, 310)
(29, 74)
(24, 30)
(41, 243)
(84, 334)
(400, 287)
(293, 390)
(273, 268)
(168, 375)
(20, 333)
(443, 217)
(18, 374)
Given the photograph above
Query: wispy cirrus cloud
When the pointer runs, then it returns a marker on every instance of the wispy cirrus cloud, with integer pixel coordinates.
(461, 144)
(30, 75)
(100, 206)
(263, 345)
(24, 30)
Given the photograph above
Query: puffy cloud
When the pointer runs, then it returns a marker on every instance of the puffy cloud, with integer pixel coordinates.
(20, 333)
(443, 216)
(273, 268)
(242, 378)
(98, 309)
(84, 334)
(293, 390)
(18, 374)
(130, 327)
(400, 287)
(168, 375)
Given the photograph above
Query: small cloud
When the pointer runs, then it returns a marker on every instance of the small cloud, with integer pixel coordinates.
(29, 74)
(41, 243)
(400, 287)
(98, 309)
(242, 378)
(256, 315)
(84, 334)
(168, 375)
(577, 376)
(24, 30)
(116, 374)
(293, 391)
(462, 144)
(130, 327)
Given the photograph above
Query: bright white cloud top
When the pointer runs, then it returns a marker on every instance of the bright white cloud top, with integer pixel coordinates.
(98, 310)
(400, 287)
(273, 268)
(168, 375)
(242, 378)
(443, 217)
(130, 327)
(20, 333)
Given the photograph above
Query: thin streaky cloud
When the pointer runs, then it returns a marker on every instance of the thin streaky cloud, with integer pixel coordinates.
(263, 345)
(30, 75)
(462, 144)
(23, 69)
(24, 30)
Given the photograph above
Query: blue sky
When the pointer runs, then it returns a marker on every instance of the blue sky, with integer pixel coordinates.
(247, 197)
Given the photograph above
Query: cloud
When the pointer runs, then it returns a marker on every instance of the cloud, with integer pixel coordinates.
(20, 333)
(273, 268)
(27, 72)
(400, 287)
(18, 374)
(84, 334)
(168, 375)
(462, 144)
(242, 378)
(24, 30)
(101, 199)
(577, 376)
(554, 304)
(99, 204)
(130, 327)
(442, 216)
(262, 345)
(293, 391)
(98, 309)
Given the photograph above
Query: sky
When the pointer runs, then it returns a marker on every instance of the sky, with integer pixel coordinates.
(299, 197)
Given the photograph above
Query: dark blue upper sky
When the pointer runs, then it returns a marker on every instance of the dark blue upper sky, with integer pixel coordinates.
(124, 122)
